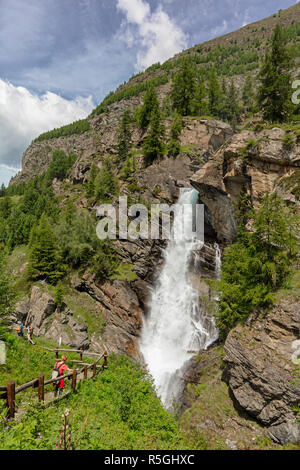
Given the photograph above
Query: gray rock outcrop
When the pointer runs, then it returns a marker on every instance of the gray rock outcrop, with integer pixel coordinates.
(261, 369)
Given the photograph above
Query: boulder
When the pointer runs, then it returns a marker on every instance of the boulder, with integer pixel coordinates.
(261, 373)
(49, 321)
(42, 306)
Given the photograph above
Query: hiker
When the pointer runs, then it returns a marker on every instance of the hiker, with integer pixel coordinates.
(58, 370)
(29, 334)
(20, 330)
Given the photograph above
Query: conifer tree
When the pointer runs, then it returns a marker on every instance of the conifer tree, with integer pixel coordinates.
(200, 105)
(183, 89)
(105, 183)
(150, 104)
(90, 187)
(44, 259)
(229, 109)
(153, 144)
(214, 93)
(259, 262)
(248, 94)
(274, 93)
(176, 128)
(124, 137)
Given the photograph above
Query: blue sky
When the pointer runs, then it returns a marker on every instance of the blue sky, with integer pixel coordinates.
(59, 58)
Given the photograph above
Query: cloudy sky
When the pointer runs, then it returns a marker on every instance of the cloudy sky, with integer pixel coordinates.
(59, 58)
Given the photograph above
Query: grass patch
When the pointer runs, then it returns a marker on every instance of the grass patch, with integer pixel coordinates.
(125, 272)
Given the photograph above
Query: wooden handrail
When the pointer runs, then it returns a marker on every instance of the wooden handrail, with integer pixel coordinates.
(27, 385)
(78, 351)
(11, 390)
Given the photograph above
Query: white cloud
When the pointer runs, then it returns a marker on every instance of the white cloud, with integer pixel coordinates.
(23, 116)
(160, 37)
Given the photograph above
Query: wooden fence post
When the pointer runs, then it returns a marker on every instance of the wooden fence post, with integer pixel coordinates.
(41, 387)
(85, 372)
(11, 394)
(74, 377)
(94, 369)
(56, 354)
(105, 361)
(80, 355)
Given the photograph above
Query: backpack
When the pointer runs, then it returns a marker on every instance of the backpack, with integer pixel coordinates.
(55, 372)
(18, 329)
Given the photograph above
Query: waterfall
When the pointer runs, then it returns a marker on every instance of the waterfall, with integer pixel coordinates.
(177, 326)
(218, 262)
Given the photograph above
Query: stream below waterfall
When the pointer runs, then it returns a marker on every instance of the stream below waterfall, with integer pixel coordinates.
(177, 326)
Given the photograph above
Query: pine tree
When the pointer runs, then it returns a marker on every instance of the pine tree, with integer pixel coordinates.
(274, 93)
(183, 89)
(105, 184)
(153, 144)
(150, 104)
(176, 128)
(124, 137)
(259, 262)
(229, 109)
(248, 94)
(90, 187)
(215, 95)
(45, 261)
(200, 105)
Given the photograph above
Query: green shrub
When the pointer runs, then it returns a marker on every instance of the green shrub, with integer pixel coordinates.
(78, 127)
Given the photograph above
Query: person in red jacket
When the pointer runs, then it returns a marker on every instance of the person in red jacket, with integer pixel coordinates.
(61, 366)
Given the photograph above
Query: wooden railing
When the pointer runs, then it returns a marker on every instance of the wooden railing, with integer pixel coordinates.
(10, 390)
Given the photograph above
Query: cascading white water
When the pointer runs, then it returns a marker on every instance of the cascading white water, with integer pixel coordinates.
(218, 261)
(177, 327)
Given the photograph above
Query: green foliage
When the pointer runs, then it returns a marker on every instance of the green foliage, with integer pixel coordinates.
(78, 127)
(18, 216)
(153, 144)
(288, 141)
(274, 94)
(258, 263)
(214, 93)
(59, 295)
(129, 91)
(229, 109)
(90, 187)
(60, 164)
(124, 137)
(105, 262)
(106, 184)
(248, 95)
(45, 260)
(129, 168)
(118, 410)
(183, 89)
(176, 128)
(151, 104)
(6, 294)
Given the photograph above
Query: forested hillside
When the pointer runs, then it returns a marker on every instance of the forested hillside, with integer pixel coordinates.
(218, 118)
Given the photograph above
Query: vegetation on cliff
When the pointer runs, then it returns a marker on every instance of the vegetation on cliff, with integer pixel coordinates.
(259, 263)
(116, 410)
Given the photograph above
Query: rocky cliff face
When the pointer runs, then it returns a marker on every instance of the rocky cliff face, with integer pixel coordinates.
(253, 163)
(47, 320)
(262, 370)
(220, 164)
